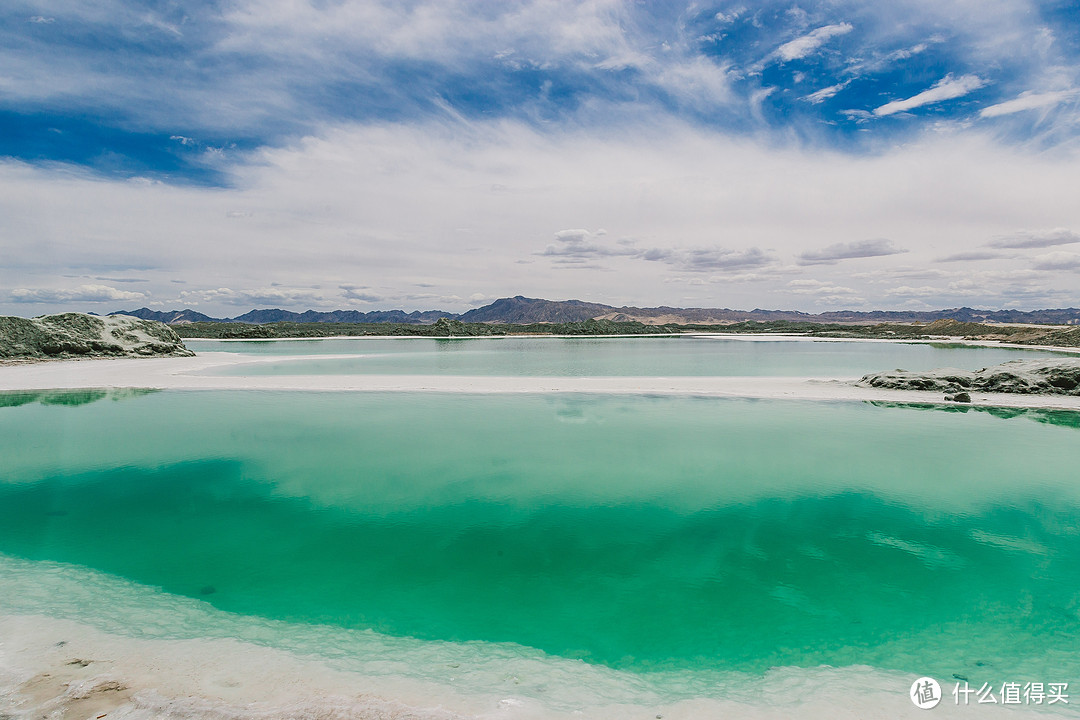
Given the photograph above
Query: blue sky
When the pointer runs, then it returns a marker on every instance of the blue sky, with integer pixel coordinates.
(326, 153)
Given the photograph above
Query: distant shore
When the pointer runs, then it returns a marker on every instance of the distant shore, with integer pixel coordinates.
(1028, 335)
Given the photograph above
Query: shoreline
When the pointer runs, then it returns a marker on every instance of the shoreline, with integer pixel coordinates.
(180, 374)
(65, 668)
(59, 667)
(747, 337)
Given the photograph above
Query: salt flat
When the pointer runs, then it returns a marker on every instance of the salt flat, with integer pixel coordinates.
(196, 373)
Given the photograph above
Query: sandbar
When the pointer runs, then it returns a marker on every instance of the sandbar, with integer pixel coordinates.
(197, 373)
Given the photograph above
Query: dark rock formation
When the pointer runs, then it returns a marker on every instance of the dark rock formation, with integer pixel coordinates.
(1026, 377)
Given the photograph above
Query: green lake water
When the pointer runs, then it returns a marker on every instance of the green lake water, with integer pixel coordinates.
(636, 533)
(584, 357)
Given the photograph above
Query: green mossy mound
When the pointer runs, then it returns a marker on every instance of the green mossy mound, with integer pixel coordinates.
(75, 335)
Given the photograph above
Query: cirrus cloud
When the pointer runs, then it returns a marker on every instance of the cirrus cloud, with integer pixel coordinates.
(802, 46)
(1028, 101)
(947, 88)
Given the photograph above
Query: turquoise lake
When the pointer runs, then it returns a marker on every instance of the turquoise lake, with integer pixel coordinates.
(584, 357)
(643, 534)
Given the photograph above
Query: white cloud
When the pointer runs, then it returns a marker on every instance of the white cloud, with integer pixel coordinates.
(826, 293)
(731, 15)
(572, 236)
(700, 82)
(253, 297)
(818, 287)
(905, 53)
(1028, 101)
(593, 35)
(947, 88)
(274, 53)
(1010, 275)
(1057, 261)
(444, 30)
(379, 208)
(909, 291)
(825, 93)
(80, 294)
(800, 47)
(280, 54)
(844, 300)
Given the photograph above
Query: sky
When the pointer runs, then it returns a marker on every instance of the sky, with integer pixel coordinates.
(224, 155)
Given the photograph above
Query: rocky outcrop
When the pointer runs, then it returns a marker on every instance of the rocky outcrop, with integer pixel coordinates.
(1026, 377)
(76, 335)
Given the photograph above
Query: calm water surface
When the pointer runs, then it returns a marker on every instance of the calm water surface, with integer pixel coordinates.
(583, 357)
(635, 533)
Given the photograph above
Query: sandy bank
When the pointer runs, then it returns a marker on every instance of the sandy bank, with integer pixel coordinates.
(58, 668)
(180, 374)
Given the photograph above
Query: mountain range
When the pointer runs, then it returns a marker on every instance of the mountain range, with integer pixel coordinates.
(522, 310)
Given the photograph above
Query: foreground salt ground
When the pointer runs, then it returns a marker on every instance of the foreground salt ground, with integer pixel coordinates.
(113, 649)
(197, 373)
(57, 668)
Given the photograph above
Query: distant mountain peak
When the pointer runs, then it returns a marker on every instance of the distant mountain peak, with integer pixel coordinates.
(169, 317)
